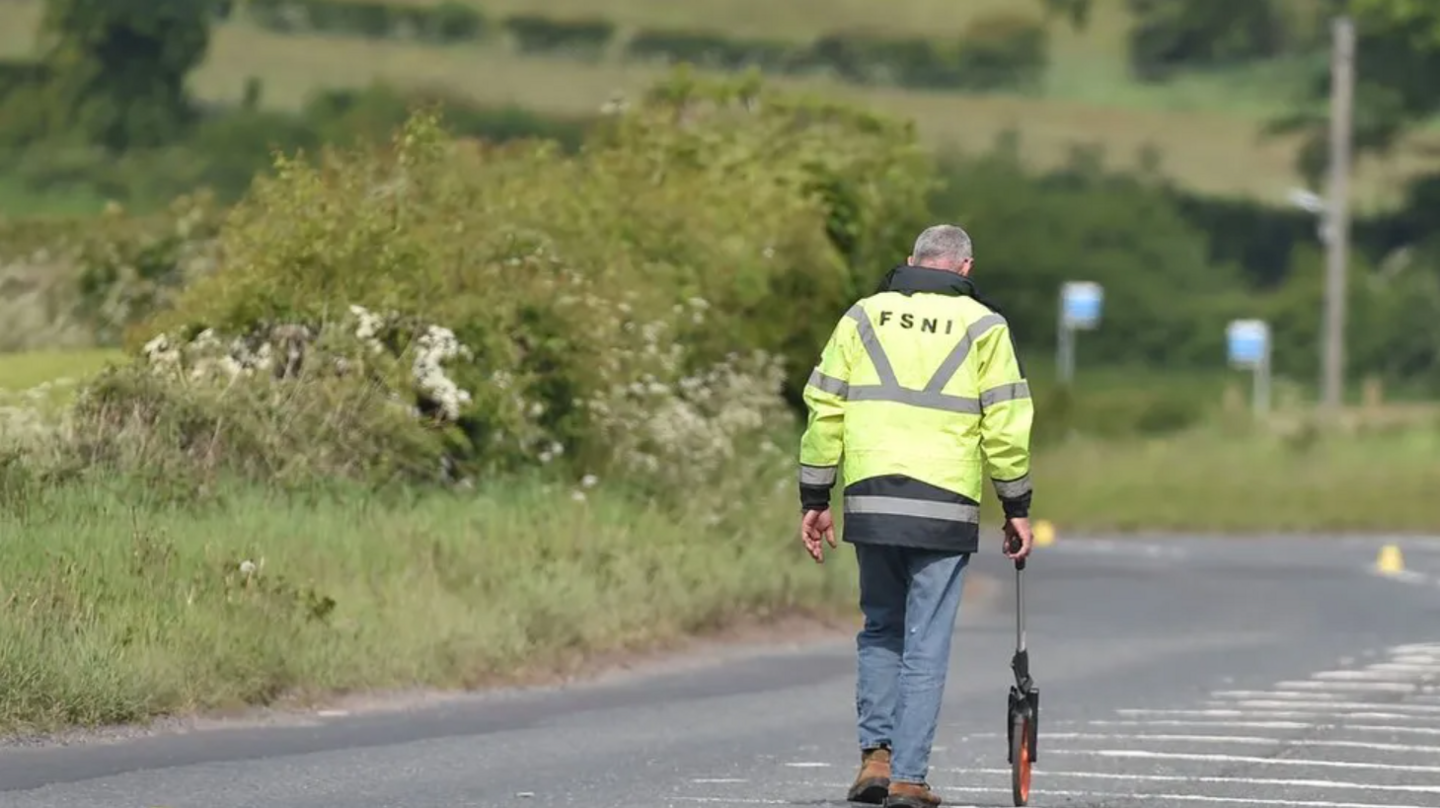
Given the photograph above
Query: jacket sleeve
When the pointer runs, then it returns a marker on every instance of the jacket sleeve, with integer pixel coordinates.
(1007, 413)
(823, 442)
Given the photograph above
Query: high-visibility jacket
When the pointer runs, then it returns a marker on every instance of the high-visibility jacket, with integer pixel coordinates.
(920, 393)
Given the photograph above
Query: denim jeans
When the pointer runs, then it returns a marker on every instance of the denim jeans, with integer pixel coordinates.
(910, 598)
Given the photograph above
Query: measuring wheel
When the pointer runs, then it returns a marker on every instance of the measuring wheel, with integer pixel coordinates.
(1024, 703)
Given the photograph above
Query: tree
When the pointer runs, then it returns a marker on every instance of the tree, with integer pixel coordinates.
(118, 68)
(1398, 56)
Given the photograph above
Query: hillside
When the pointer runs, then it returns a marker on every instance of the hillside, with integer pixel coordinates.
(1205, 130)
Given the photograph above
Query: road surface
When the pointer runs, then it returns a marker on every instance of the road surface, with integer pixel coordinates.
(1180, 673)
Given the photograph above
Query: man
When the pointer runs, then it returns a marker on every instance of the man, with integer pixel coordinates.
(920, 391)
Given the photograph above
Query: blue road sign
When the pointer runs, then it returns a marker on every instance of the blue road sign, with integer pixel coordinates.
(1247, 342)
(1081, 303)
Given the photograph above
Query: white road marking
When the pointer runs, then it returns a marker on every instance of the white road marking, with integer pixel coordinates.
(719, 780)
(1389, 687)
(803, 764)
(1417, 659)
(1275, 694)
(1244, 739)
(1367, 675)
(1215, 779)
(1403, 666)
(1138, 754)
(1340, 706)
(1190, 798)
(1417, 648)
(1274, 713)
(1214, 724)
(1384, 728)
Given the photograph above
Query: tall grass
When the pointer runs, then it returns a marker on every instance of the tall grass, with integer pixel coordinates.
(1209, 481)
(116, 607)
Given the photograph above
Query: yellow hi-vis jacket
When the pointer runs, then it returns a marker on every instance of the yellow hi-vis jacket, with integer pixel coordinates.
(920, 392)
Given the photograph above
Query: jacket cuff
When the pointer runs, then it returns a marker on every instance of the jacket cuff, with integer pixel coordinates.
(814, 498)
(1015, 496)
(1018, 508)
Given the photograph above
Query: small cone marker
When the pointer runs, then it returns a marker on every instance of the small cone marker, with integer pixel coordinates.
(1390, 561)
(1044, 533)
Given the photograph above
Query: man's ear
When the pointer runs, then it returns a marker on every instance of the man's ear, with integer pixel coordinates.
(910, 260)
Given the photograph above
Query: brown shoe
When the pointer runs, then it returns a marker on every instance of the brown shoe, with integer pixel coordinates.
(873, 781)
(911, 795)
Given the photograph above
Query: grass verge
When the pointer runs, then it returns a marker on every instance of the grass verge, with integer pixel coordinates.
(1207, 482)
(116, 609)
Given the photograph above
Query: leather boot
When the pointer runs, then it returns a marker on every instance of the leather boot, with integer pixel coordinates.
(911, 795)
(873, 782)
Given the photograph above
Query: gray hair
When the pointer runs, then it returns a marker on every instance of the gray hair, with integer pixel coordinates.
(943, 242)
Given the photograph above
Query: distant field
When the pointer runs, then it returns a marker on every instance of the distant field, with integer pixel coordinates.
(1219, 152)
(1205, 129)
(22, 371)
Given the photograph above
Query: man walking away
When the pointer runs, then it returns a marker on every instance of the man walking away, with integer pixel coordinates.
(920, 391)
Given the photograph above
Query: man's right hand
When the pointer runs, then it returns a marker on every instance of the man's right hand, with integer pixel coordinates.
(1018, 538)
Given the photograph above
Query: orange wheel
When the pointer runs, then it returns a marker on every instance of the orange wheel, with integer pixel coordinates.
(1020, 759)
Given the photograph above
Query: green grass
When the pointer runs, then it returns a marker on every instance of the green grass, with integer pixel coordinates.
(117, 609)
(23, 371)
(1208, 481)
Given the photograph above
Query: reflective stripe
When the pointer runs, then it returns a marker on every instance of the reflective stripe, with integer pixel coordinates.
(952, 363)
(872, 346)
(828, 384)
(1011, 489)
(917, 398)
(1005, 392)
(925, 509)
(817, 475)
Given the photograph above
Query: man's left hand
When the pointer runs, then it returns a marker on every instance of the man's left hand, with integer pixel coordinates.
(815, 526)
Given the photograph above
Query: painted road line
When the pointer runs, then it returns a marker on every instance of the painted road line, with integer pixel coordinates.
(1242, 740)
(1417, 647)
(1187, 798)
(1374, 673)
(1274, 714)
(1202, 724)
(1140, 754)
(1368, 687)
(1388, 729)
(1394, 665)
(1287, 782)
(1276, 694)
(1336, 706)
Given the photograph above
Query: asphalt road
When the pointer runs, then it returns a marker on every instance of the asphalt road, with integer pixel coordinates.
(1173, 673)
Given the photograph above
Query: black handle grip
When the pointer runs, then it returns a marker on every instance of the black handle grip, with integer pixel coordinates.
(1013, 544)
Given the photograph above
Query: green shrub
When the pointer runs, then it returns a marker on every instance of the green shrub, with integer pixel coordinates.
(1002, 52)
(445, 22)
(716, 51)
(536, 33)
(1172, 35)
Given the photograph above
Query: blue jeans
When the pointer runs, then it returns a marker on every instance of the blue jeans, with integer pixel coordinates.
(910, 598)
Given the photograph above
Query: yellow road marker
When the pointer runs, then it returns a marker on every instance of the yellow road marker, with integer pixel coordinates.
(1044, 533)
(1390, 561)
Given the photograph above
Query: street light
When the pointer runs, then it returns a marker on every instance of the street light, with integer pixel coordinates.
(1314, 204)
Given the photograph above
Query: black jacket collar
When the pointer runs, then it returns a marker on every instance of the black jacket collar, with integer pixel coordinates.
(907, 280)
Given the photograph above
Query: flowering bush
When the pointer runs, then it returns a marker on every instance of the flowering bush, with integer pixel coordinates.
(623, 311)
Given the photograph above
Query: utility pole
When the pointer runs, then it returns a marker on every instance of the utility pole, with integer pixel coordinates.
(1337, 226)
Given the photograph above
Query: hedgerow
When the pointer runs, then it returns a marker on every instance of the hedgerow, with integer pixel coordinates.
(433, 308)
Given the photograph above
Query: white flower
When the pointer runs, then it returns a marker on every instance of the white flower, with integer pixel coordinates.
(589, 481)
(247, 567)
